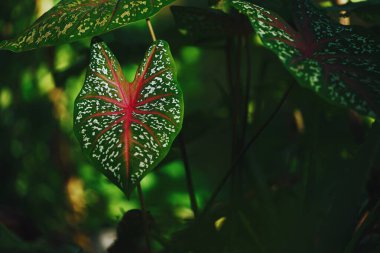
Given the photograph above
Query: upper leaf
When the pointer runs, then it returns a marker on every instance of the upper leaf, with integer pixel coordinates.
(71, 20)
(335, 61)
(127, 128)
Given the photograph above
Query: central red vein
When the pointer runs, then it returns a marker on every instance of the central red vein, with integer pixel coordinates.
(126, 147)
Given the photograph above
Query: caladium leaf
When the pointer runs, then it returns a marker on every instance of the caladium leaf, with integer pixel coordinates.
(335, 61)
(127, 128)
(71, 20)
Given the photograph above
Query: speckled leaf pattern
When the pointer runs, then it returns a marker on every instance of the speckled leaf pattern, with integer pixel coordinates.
(71, 20)
(127, 128)
(337, 62)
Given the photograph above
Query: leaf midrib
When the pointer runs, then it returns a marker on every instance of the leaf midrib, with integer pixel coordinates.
(129, 104)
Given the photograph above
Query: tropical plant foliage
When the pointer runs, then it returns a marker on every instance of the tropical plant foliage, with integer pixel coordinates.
(261, 165)
(128, 128)
(335, 61)
(72, 20)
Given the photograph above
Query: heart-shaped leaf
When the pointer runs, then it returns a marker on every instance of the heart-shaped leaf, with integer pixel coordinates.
(71, 20)
(335, 61)
(127, 128)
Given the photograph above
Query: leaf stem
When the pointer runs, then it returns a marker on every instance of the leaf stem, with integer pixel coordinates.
(151, 30)
(145, 217)
(251, 232)
(245, 150)
(359, 233)
(247, 86)
(189, 178)
(233, 86)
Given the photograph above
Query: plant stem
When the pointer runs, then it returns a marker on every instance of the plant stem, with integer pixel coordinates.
(231, 71)
(145, 217)
(247, 87)
(251, 232)
(151, 30)
(245, 150)
(189, 178)
(229, 53)
(359, 233)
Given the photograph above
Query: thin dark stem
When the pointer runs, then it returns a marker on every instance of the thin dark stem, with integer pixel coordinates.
(189, 178)
(238, 121)
(247, 86)
(229, 52)
(238, 91)
(361, 230)
(145, 217)
(244, 151)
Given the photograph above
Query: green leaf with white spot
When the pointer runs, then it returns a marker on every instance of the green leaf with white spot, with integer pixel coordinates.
(337, 62)
(127, 128)
(72, 20)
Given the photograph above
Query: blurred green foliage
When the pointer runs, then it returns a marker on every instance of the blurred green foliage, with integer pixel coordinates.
(303, 187)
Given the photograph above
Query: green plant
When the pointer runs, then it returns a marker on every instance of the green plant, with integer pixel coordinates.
(337, 62)
(127, 128)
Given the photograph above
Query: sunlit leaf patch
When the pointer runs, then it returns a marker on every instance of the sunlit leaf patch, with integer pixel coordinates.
(71, 20)
(127, 128)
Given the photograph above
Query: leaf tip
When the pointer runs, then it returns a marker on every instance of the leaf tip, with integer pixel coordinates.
(161, 43)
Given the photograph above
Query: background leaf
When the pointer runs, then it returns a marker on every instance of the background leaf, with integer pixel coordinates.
(335, 61)
(71, 20)
(127, 128)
